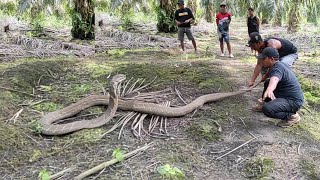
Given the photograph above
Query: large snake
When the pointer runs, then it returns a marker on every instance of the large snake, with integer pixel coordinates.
(113, 103)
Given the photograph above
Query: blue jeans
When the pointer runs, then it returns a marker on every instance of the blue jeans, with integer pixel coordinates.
(280, 108)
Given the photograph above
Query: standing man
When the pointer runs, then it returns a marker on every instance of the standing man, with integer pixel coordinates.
(287, 52)
(253, 22)
(183, 17)
(223, 19)
(282, 94)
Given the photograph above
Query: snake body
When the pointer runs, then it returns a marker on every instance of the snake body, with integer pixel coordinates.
(47, 120)
(113, 102)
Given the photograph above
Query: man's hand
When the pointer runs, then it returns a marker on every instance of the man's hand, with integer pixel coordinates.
(179, 23)
(250, 83)
(187, 21)
(268, 94)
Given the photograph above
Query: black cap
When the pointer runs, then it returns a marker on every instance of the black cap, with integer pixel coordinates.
(180, 2)
(268, 52)
(254, 38)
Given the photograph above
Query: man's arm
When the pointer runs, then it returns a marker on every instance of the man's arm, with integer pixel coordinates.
(176, 16)
(271, 87)
(258, 21)
(256, 73)
(217, 19)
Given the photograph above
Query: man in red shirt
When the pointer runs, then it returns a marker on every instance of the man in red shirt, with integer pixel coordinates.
(223, 19)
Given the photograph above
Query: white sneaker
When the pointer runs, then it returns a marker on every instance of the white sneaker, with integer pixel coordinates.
(231, 56)
(221, 55)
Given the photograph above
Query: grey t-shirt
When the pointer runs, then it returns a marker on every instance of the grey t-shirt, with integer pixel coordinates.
(288, 86)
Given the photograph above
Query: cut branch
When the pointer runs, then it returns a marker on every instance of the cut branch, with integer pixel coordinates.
(111, 162)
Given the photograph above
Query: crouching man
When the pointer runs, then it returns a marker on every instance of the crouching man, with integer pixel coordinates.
(282, 94)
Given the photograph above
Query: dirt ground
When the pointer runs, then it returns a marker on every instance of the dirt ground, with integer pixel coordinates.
(194, 144)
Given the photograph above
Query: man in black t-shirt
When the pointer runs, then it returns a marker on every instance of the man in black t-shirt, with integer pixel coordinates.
(287, 52)
(282, 94)
(183, 17)
(253, 22)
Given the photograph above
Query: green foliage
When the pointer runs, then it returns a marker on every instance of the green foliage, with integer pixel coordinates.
(82, 89)
(259, 168)
(116, 53)
(118, 154)
(44, 175)
(46, 106)
(127, 20)
(8, 8)
(35, 127)
(102, 5)
(166, 20)
(79, 23)
(169, 172)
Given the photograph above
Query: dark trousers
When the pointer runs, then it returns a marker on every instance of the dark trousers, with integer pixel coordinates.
(280, 108)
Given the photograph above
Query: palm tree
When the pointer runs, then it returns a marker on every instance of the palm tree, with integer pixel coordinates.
(165, 14)
(192, 5)
(83, 19)
(208, 6)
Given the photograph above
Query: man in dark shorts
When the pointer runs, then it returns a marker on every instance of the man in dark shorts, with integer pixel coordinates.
(287, 52)
(253, 23)
(183, 17)
(282, 94)
(223, 19)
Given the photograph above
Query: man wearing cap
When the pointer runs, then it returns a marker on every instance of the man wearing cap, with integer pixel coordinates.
(287, 52)
(282, 94)
(223, 19)
(183, 17)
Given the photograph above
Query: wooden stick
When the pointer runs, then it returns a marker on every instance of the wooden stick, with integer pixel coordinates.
(109, 163)
(235, 148)
(15, 116)
(60, 173)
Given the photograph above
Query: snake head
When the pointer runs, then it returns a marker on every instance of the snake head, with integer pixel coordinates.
(115, 83)
(118, 78)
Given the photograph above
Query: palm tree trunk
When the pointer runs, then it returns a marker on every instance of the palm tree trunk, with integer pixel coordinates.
(83, 20)
(278, 15)
(166, 22)
(192, 5)
(294, 17)
(209, 11)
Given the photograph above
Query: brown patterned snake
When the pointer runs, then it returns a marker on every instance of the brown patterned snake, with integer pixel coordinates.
(113, 102)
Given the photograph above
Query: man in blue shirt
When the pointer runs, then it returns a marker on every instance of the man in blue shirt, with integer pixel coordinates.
(282, 94)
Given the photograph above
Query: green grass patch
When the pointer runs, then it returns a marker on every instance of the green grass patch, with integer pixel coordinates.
(308, 169)
(205, 130)
(311, 90)
(86, 135)
(11, 137)
(27, 75)
(201, 75)
(259, 168)
(47, 107)
(249, 59)
(97, 71)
